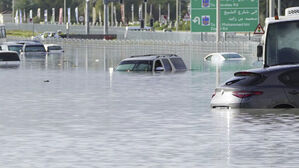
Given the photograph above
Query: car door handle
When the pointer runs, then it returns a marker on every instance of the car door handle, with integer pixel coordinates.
(293, 92)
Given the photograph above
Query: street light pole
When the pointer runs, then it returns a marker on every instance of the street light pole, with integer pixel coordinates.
(279, 8)
(87, 17)
(64, 17)
(145, 13)
(13, 10)
(177, 15)
(105, 17)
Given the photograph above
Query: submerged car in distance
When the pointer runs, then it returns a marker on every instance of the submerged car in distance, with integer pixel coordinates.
(272, 87)
(11, 46)
(9, 59)
(33, 50)
(224, 56)
(153, 63)
(53, 48)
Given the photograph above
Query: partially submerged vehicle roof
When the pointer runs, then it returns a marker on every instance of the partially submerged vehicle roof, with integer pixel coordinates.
(11, 43)
(28, 42)
(150, 57)
(49, 45)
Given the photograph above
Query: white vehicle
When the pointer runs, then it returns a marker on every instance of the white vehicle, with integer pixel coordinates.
(53, 48)
(224, 56)
(11, 47)
(281, 39)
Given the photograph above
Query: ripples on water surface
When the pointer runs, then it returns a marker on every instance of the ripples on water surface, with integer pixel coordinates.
(90, 118)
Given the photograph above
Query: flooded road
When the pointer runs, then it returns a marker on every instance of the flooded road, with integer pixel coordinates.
(58, 113)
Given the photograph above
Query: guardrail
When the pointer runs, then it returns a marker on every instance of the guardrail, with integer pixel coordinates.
(122, 34)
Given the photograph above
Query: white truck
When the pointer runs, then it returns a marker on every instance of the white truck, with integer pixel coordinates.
(280, 43)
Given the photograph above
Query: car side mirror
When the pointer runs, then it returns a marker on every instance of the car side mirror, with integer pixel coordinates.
(259, 51)
(159, 69)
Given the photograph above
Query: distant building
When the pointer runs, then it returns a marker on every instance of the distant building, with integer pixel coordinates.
(5, 17)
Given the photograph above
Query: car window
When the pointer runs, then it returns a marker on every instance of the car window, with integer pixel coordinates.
(35, 48)
(167, 65)
(158, 64)
(50, 48)
(142, 67)
(229, 56)
(9, 57)
(135, 65)
(178, 63)
(15, 48)
(290, 78)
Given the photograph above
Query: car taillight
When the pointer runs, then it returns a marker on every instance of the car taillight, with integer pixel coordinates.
(244, 94)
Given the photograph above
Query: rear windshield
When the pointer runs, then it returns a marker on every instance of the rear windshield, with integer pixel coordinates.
(178, 63)
(245, 80)
(135, 65)
(35, 48)
(51, 48)
(15, 48)
(9, 57)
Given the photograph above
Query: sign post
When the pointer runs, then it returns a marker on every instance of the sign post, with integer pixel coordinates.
(236, 16)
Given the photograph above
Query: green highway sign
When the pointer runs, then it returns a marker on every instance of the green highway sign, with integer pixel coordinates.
(236, 15)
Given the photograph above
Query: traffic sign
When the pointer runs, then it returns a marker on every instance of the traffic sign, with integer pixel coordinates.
(236, 16)
(259, 29)
(81, 18)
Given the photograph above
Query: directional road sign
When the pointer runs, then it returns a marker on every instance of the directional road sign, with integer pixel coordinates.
(236, 15)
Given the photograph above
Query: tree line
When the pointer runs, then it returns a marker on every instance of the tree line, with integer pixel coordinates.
(6, 5)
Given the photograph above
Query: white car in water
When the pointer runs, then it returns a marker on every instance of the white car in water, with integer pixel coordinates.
(53, 48)
(224, 56)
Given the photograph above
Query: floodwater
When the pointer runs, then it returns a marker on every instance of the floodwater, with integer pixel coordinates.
(58, 114)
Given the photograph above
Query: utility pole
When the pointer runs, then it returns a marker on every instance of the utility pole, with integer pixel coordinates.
(64, 15)
(111, 14)
(177, 15)
(279, 8)
(13, 10)
(218, 28)
(87, 17)
(105, 17)
(271, 8)
(145, 13)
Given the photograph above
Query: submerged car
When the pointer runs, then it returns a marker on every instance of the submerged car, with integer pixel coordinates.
(53, 48)
(152, 63)
(9, 59)
(272, 87)
(224, 56)
(32, 50)
(9, 46)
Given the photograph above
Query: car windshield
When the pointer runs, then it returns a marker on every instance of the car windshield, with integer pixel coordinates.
(35, 48)
(15, 48)
(282, 43)
(135, 65)
(51, 48)
(231, 56)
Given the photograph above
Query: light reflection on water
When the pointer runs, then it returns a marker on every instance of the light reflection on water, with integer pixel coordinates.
(86, 117)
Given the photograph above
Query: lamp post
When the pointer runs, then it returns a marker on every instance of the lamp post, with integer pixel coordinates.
(87, 18)
(105, 17)
(13, 10)
(64, 17)
(177, 15)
